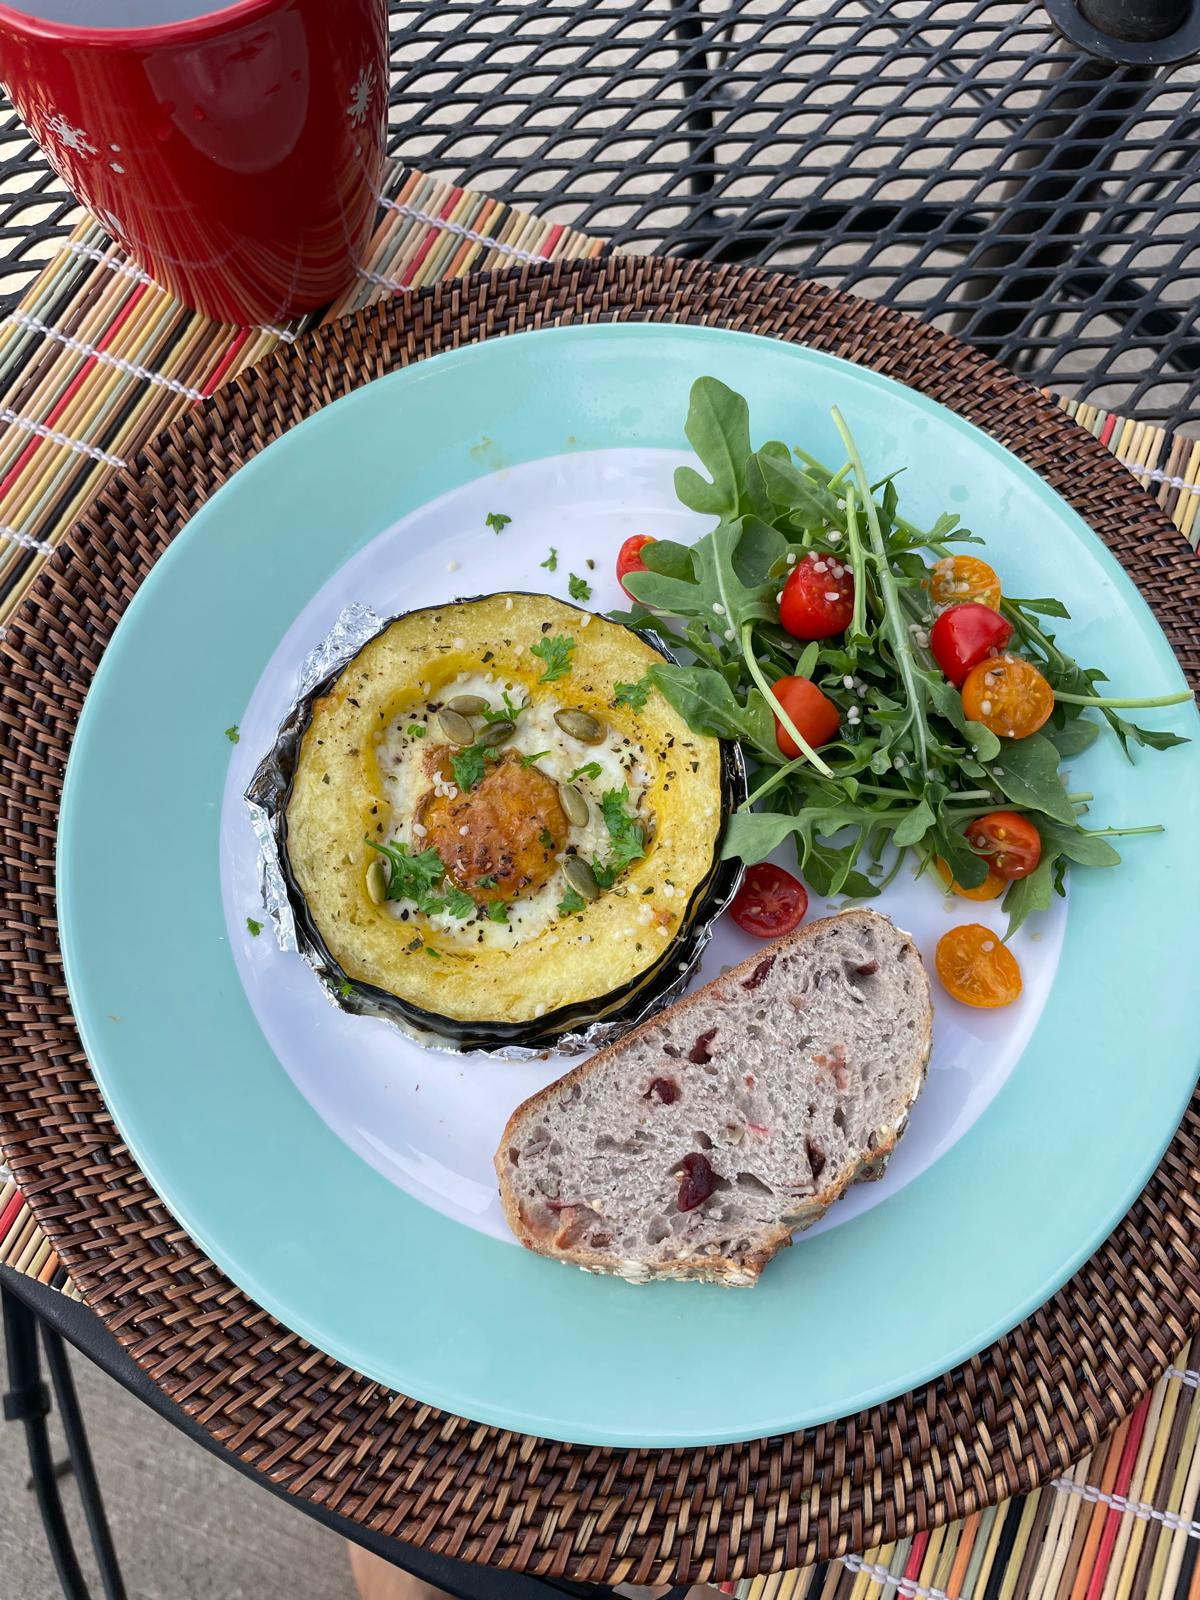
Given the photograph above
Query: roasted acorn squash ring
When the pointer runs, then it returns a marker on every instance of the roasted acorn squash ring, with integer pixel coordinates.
(612, 962)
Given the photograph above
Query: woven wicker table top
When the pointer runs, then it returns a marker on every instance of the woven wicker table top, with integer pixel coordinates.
(1017, 1415)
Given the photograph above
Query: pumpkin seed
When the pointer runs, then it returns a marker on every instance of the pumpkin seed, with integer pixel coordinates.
(581, 725)
(580, 877)
(495, 733)
(377, 882)
(456, 727)
(468, 705)
(575, 807)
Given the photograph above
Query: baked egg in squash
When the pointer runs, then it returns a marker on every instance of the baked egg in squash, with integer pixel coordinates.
(497, 830)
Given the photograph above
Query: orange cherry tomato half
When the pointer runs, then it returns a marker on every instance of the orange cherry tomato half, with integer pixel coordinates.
(1008, 695)
(992, 887)
(956, 579)
(815, 716)
(629, 557)
(976, 967)
(1010, 843)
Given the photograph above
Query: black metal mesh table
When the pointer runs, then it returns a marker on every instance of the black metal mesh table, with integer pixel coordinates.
(957, 159)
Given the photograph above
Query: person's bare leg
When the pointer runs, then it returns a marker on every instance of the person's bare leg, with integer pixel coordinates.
(377, 1579)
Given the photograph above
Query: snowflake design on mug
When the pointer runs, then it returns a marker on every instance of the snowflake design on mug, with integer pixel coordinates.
(70, 137)
(361, 95)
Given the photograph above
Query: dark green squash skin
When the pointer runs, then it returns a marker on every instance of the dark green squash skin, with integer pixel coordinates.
(618, 1010)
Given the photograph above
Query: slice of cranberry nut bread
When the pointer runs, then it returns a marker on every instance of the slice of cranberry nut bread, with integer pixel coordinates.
(693, 1147)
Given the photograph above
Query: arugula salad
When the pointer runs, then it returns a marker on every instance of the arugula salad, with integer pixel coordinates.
(899, 707)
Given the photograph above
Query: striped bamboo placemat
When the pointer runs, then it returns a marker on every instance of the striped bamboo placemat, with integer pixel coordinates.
(97, 358)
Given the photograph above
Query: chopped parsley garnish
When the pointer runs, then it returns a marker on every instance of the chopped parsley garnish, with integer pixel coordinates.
(345, 988)
(509, 713)
(468, 765)
(416, 730)
(536, 755)
(546, 839)
(634, 694)
(485, 883)
(232, 734)
(551, 561)
(413, 877)
(497, 911)
(570, 903)
(497, 521)
(556, 653)
(590, 769)
(430, 951)
(605, 876)
(625, 831)
(255, 927)
(459, 903)
(578, 588)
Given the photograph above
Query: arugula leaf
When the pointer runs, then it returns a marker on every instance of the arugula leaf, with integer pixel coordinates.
(947, 702)
(497, 911)
(718, 430)
(1077, 845)
(707, 704)
(1027, 895)
(571, 902)
(760, 548)
(751, 836)
(1026, 771)
(950, 842)
(232, 734)
(633, 694)
(1074, 737)
(809, 504)
(669, 559)
(578, 588)
(912, 828)
(497, 521)
(254, 928)
(413, 877)
(590, 769)
(624, 830)
(459, 903)
(1152, 738)
(555, 653)
(551, 561)
(1041, 608)
(469, 765)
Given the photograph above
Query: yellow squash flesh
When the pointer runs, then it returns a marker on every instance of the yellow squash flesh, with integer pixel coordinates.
(337, 800)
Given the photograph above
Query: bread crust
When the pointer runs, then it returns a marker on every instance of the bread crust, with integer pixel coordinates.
(746, 1271)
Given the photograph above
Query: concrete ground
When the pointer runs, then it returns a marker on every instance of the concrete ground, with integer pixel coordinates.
(185, 1526)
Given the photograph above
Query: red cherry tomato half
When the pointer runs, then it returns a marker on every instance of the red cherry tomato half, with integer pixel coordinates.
(1010, 843)
(770, 902)
(965, 635)
(629, 557)
(813, 714)
(818, 598)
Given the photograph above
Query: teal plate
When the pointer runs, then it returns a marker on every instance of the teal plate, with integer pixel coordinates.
(416, 1298)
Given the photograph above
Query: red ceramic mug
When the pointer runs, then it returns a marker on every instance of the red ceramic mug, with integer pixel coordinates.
(234, 153)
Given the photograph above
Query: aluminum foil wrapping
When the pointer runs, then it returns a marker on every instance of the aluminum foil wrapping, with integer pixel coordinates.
(266, 802)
